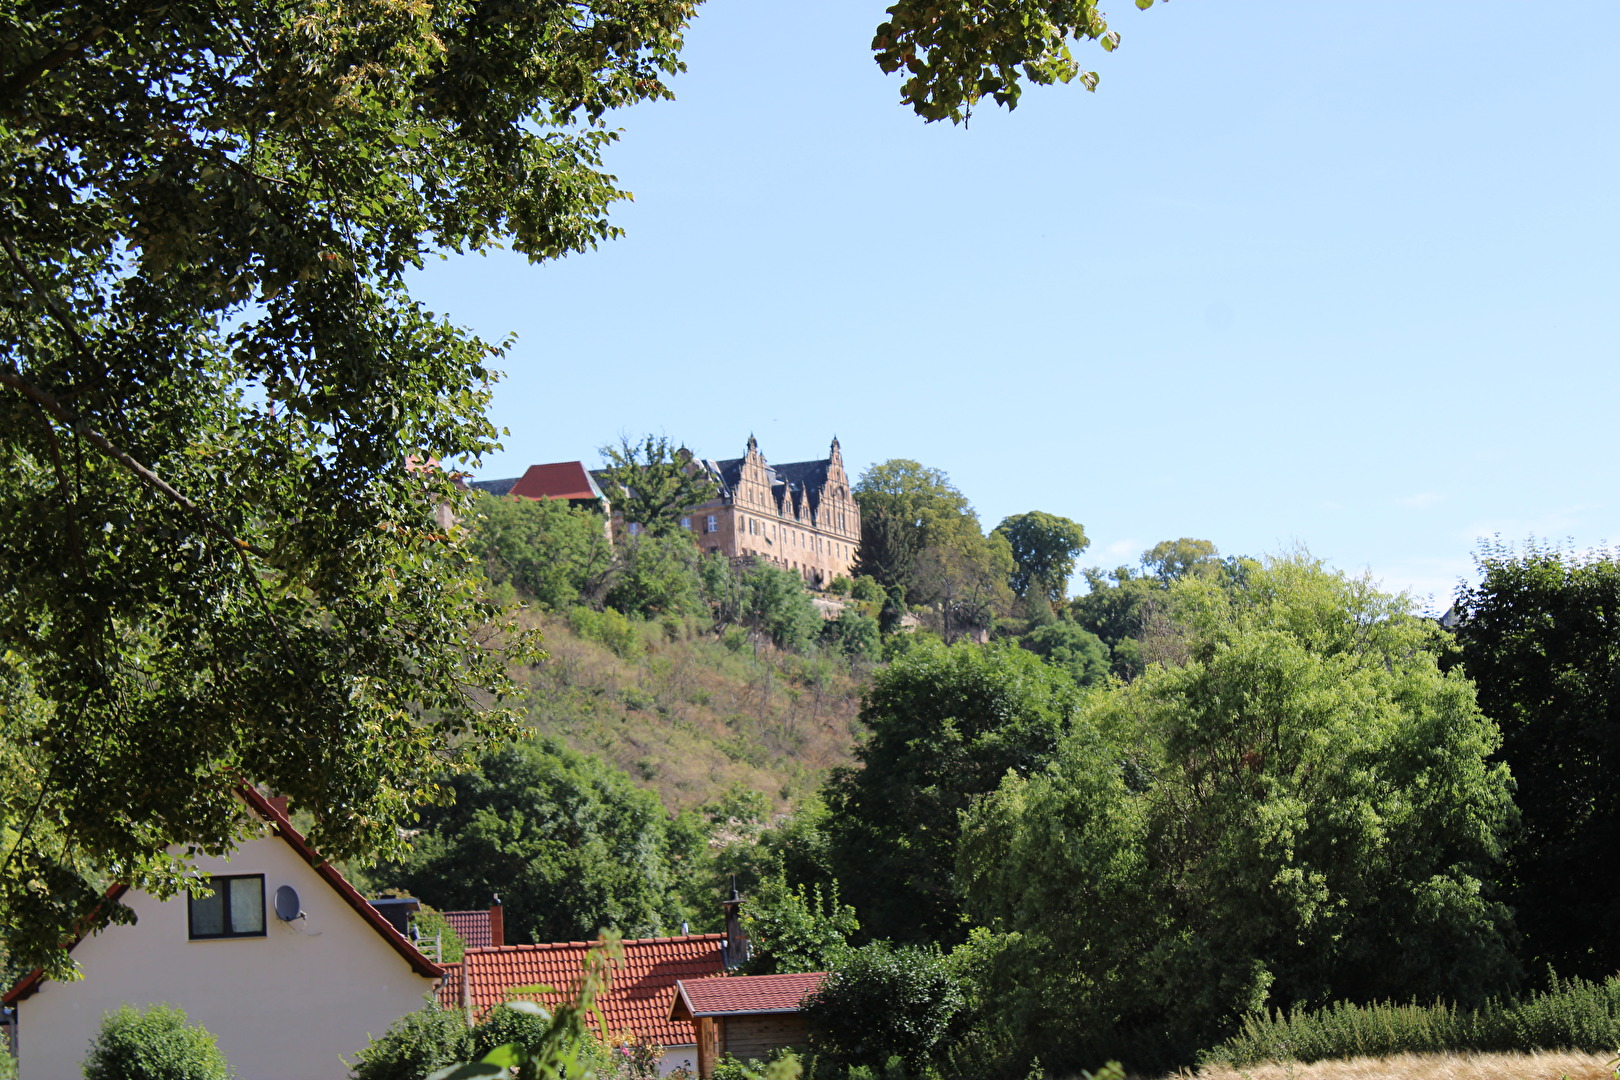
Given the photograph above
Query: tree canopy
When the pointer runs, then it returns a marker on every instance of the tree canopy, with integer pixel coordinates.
(1304, 811)
(905, 507)
(1044, 547)
(652, 484)
(569, 844)
(946, 724)
(221, 410)
(1540, 638)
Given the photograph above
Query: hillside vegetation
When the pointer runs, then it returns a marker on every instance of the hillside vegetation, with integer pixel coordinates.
(689, 714)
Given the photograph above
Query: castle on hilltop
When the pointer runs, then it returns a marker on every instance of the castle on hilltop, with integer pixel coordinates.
(798, 516)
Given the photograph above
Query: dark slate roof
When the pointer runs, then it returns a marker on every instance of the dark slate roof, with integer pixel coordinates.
(791, 482)
(494, 487)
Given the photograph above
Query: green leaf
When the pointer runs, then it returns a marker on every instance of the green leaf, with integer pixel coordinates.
(509, 1055)
(476, 1070)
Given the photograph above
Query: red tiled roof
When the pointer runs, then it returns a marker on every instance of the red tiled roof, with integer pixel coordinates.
(559, 480)
(272, 812)
(472, 927)
(742, 994)
(637, 1003)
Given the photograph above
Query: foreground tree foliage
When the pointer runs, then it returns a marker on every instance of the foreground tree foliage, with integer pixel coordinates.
(216, 559)
(1540, 635)
(1304, 811)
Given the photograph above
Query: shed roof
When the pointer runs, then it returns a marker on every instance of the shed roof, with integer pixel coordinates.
(742, 995)
(637, 1003)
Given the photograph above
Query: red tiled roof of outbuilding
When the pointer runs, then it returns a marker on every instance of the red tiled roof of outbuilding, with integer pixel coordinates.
(472, 927)
(558, 480)
(743, 994)
(636, 1005)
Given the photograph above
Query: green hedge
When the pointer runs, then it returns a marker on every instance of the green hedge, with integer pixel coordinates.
(1572, 1014)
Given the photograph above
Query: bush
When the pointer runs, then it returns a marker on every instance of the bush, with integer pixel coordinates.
(153, 1045)
(1571, 1014)
(1073, 648)
(414, 1045)
(854, 635)
(609, 628)
(882, 1003)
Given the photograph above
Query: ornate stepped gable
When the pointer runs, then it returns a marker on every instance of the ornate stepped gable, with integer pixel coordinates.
(799, 515)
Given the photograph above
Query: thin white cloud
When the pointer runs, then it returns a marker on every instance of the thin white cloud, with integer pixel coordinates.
(1124, 547)
(1427, 498)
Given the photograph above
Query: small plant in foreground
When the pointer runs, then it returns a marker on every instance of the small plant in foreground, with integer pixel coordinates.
(156, 1044)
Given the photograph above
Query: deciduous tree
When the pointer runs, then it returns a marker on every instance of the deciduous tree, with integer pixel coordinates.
(1305, 811)
(567, 841)
(905, 507)
(1044, 547)
(946, 723)
(219, 405)
(1540, 638)
(651, 484)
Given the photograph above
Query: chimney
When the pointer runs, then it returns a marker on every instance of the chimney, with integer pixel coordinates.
(497, 922)
(736, 944)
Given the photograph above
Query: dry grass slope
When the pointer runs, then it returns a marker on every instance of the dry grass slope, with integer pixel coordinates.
(689, 717)
(1539, 1066)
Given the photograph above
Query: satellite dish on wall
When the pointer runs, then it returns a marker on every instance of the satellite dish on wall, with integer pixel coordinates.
(287, 908)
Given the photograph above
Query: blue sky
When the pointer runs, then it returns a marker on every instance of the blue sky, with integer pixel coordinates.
(1333, 274)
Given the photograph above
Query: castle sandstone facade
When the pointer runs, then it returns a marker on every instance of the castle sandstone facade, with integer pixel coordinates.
(799, 516)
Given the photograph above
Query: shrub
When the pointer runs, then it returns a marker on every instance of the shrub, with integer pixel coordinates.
(882, 1003)
(609, 628)
(1571, 1014)
(415, 1045)
(854, 635)
(153, 1045)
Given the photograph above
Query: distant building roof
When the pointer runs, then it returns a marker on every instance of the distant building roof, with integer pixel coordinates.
(558, 480)
(637, 1004)
(472, 927)
(494, 487)
(742, 994)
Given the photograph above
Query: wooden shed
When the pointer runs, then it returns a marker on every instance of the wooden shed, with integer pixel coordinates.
(746, 1016)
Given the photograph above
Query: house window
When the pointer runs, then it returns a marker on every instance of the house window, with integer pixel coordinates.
(711, 524)
(686, 523)
(236, 908)
(635, 529)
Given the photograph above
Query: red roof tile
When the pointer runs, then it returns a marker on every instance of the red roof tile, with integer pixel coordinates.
(742, 994)
(637, 1003)
(558, 480)
(472, 927)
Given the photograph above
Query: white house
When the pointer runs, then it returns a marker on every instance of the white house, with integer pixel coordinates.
(287, 998)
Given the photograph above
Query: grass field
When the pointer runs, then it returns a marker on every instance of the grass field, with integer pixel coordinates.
(1538, 1066)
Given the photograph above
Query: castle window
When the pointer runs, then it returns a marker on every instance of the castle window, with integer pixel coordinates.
(711, 524)
(635, 528)
(686, 523)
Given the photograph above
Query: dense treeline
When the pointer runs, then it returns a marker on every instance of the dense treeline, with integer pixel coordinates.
(1123, 824)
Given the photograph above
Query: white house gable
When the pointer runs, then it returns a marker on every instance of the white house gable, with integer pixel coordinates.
(288, 1004)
